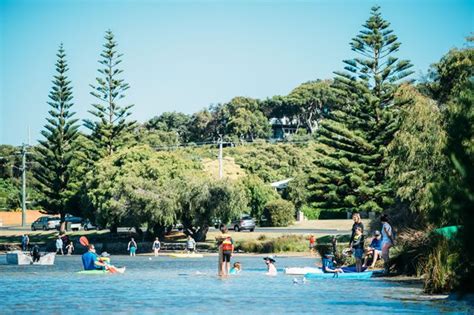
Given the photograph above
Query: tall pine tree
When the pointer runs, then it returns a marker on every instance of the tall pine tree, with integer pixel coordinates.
(110, 130)
(57, 151)
(350, 172)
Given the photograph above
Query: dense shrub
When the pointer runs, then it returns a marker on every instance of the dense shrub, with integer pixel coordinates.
(286, 243)
(310, 213)
(279, 213)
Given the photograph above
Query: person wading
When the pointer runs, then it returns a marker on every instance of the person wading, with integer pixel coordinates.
(219, 240)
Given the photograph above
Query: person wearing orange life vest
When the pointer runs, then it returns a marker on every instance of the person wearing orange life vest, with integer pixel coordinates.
(227, 247)
(312, 244)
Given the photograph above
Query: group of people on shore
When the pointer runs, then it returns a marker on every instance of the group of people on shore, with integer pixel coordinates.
(379, 247)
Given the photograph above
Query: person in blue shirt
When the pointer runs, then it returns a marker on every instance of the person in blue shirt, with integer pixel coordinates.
(235, 269)
(328, 264)
(374, 250)
(90, 260)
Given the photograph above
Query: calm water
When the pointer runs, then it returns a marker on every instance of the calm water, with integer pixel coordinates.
(169, 285)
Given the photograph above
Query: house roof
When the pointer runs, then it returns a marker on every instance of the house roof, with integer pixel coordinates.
(281, 184)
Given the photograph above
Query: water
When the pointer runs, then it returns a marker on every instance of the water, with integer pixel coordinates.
(170, 285)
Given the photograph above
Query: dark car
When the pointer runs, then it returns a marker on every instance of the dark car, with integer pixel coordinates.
(88, 225)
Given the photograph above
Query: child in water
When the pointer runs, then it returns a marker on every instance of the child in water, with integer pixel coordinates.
(358, 247)
(70, 248)
(236, 268)
(271, 269)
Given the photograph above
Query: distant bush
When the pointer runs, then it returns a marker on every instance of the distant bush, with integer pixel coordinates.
(310, 213)
(279, 212)
(286, 243)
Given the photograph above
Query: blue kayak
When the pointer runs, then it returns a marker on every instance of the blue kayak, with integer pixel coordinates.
(349, 275)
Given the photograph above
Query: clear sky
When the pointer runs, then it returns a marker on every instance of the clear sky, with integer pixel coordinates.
(185, 55)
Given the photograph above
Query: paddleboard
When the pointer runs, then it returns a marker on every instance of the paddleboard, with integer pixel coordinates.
(351, 275)
(302, 270)
(184, 255)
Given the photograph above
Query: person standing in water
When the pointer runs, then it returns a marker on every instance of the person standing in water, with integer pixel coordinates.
(156, 246)
(190, 245)
(219, 239)
(227, 248)
(59, 245)
(357, 246)
(70, 248)
(132, 247)
(357, 223)
(25, 242)
(36, 253)
(271, 269)
(387, 240)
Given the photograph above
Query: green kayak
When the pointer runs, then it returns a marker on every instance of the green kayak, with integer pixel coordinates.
(100, 272)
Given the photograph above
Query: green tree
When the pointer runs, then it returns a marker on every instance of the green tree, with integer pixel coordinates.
(245, 120)
(258, 195)
(9, 194)
(350, 156)
(137, 186)
(171, 122)
(417, 159)
(309, 102)
(111, 129)
(451, 74)
(203, 199)
(56, 151)
(199, 126)
(456, 192)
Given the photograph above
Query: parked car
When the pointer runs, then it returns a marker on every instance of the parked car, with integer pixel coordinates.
(45, 223)
(244, 223)
(87, 225)
(72, 223)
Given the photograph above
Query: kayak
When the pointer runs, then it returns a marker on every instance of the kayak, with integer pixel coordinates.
(101, 272)
(184, 255)
(302, 270)
(350, 275)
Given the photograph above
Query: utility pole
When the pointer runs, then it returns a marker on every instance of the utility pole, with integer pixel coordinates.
(220, 157)
(23, 185)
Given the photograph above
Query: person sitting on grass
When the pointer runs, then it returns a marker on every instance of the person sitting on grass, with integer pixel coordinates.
(328, 264)
(236, 268)
(374, 250)
(357, 246)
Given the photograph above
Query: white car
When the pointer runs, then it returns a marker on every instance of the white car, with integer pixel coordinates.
(45, 223)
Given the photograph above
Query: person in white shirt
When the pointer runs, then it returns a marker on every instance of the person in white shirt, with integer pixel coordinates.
(59, 245)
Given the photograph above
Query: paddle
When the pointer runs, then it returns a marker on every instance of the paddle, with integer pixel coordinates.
(84, 241)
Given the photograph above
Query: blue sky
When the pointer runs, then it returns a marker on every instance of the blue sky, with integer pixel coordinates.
(186, 55)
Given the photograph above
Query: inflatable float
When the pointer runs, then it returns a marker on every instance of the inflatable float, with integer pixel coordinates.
(302, 270)
(185, 255)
